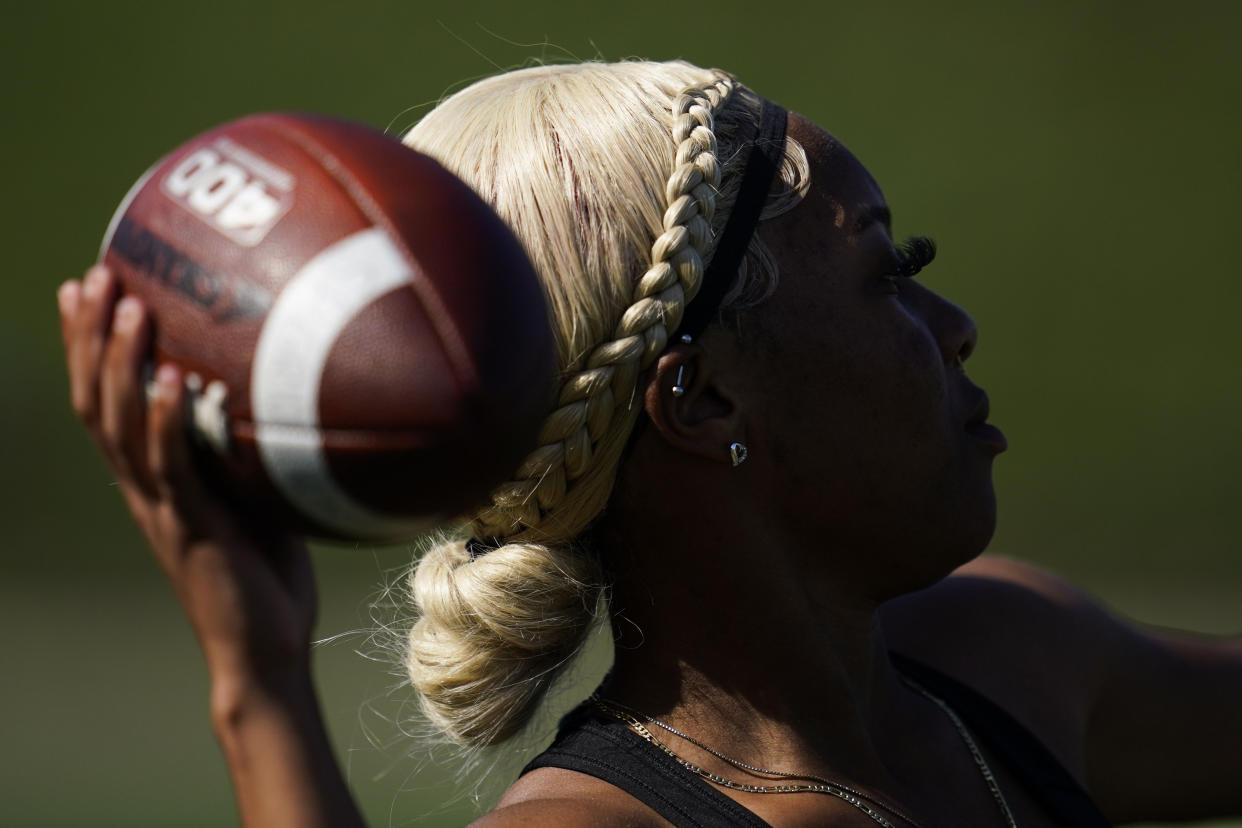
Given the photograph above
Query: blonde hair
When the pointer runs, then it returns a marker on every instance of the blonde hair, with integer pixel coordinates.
(617, 179)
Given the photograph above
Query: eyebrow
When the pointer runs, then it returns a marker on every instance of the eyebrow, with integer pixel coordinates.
(879, 213)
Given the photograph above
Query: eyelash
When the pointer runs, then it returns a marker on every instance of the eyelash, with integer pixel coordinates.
(913, 254)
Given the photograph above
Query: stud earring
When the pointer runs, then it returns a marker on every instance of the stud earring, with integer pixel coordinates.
(686, 339)
(738, 453)
(679, 389)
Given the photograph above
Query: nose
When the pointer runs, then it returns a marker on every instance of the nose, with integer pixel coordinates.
(953, 328)
(965, 337)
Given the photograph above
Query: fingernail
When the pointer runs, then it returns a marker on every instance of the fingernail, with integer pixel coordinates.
(65, 295)
(95, 280)
(167, 380)
(127, 312)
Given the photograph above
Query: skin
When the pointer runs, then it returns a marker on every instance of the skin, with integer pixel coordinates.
(768, 596)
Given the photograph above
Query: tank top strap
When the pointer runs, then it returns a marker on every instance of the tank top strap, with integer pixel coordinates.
(1042, 775)
(612, 752)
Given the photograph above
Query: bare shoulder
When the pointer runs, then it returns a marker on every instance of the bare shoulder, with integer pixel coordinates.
(1024, 592)
(1147, 718)
(1002, 609)
(554, 797)
(1029, 640)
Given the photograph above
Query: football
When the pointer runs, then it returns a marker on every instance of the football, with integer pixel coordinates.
(366, 343)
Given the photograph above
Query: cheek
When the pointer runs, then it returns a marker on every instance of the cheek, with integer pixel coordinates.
(892, 390)
(852, 388)
(862, 412)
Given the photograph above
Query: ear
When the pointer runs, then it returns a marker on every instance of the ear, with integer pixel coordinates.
(705, 417)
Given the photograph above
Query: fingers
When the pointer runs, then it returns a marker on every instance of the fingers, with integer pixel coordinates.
(106, 343)
(122, 404)
(85, 328)
(68, 297)
(168, 447)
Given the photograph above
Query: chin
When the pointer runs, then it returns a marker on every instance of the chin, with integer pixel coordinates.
(938, 554)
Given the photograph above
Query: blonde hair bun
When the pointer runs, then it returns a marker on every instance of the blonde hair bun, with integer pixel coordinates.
(494, 631)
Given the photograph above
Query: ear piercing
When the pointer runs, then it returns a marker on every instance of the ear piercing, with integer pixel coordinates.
(679, 389)
(738, 453)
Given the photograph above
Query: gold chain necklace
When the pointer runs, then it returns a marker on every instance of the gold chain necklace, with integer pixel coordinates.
(980, 762)
(853, 797)
(856, 798)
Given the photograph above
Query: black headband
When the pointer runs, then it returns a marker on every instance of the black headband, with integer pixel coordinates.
(766, 151)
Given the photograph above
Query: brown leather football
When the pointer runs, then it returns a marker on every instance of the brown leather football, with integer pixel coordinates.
(368, 344)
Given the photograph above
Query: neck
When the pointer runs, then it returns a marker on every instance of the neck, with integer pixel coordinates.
(778, 667)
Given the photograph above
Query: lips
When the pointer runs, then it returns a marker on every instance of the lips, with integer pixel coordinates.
(989, 436)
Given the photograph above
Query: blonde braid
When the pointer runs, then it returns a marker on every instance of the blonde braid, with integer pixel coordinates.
(588, 399)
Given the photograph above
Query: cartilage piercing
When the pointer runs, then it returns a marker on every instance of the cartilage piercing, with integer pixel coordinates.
(737, 453)
(679, 389)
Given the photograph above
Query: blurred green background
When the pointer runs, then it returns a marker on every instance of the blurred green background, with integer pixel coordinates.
(1077, 161)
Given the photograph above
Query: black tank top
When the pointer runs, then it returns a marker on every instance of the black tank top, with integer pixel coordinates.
(607, 749)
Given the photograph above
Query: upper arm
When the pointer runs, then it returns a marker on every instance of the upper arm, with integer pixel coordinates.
(1166, 727)
(1149, 721)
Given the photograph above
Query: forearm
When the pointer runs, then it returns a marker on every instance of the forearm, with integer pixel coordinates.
(277, 749)
(248, 589)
